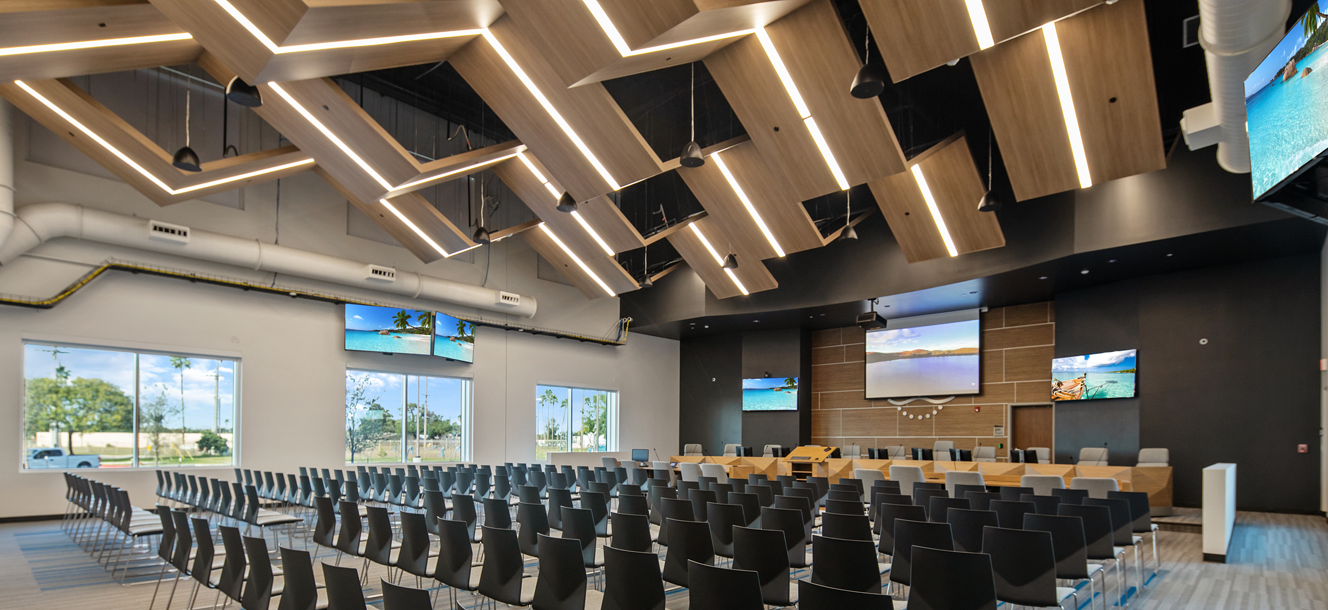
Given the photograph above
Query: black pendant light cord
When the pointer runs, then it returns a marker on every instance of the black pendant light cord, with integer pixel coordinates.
(693, 101)
(989, 159)
(186, 113)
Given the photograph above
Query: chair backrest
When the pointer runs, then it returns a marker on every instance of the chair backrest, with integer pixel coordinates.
(699, 500)
(1011, 513)
(378, 546)
(845, 564)
(907, 476)
(910, 534)
(1070, 496)
(935, 573)
(922, 497)
(300, 591)
(201, 570)
(954, 478)
(771, 450)
(938, 510)
(688, 541)
(1024, 565)
(851, 452)
(940, 446)
(1014, 493)
(1098, 533)
(844, 507)
(1154, 457)
(800, 504)
(598, 503)
(691, 450)
(868, 476)
(631, 533)
(1122, 522)
(1140, 512)
(712, 588)
(454, 554)
(1043, 455)
(1093, 456)
(231, 580)
(258, 587)
(632, 581)
(731, 450)
(413, 557)
(812, 596)
(609, 462)
(1042, 505)
(846, 527)
(1067, 540)
(689, 471)
(751, 507)
(463, 510)
(396, 597)
(634, 505)
(500, 578)
(789, 521)
(495, 513)
(1098, 487)
(760, 550)
(579, 524)
(718, 471)
(887, 514)
(184, 540)
(984, 454)
(562, 575)
(343, 588)
(966, 526)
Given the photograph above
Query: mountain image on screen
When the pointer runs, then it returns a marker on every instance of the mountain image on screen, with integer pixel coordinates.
(770, 394)
(389, 330)
(453, 339)
(1095, 376)
(935, 360)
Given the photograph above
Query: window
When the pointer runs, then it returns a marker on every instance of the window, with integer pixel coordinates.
(574, 419)
(394, 418)
(95, 407)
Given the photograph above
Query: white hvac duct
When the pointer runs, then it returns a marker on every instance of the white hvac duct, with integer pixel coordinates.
(41, 222)
(1235, 35)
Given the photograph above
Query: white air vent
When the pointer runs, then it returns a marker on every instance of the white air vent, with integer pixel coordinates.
(168, 232)
(379, 272)
(507, 298)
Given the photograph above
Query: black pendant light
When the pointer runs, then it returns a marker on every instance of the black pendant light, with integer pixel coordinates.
(731, 261)
(691, 153)
(481, 235)
(849, 233)
(989, 202)
(869, 82)
(243, 93)
(185, 158)
(566, 203)
(647, 282)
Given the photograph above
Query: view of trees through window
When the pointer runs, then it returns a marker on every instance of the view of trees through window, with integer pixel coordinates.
(394, 417)
(574, 419)
(89, 408)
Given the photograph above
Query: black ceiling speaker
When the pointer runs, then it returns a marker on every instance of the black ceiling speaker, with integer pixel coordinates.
(989, 202)
(187, 160)
(849, 233)
(647, 282)
(731, 261)
(869, 82)
(481, 236)
(243, 93)
(691, 154)
(566, 203)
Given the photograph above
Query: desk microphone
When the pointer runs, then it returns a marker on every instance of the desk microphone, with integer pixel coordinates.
(657, 458)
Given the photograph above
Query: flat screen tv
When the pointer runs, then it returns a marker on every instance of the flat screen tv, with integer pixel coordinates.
(1285, 109)
(905, 360)
(453, 339)
(770, 394)
(1095, 376)
(389, 330)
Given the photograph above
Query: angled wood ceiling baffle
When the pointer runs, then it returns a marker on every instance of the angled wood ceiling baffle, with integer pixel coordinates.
(704, 244)
(811, 45)
(92, 128)
(282, 40)
(631, 36)
(955, 187)
(529, 180)
(1109, 72)
(914, 37)
(595, 277)
(63, 41)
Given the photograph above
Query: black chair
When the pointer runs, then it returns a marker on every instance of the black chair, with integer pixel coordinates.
(910, 534)
(812, 596)
(1012, 494)
(258, 589)
(559, 499)
(204, 556)
(1122, 529)
(404, 598)
(922, 454)
(1071, 496)
(982, 500)
(380, 546)
(1142, 526)
(849, 495)
(633, 504)
(598, 503)
(722, 491)
(500, 577)
(343, 588)
(631, 533)
(751, 507)
(715, 588)
(790, 522)
(1042, 505)
(455, 568)
(533, 521)
(722, 518)
(495, 513)
(1024, 564)
(413, 556)
(936, 572)
(1011, 514)
(961, 491)
(885, 521)
(1071, 548)
(562, 579)
(688, 541)
(579, 525)
(845, 564)
(528, 494)
(299, 589)
(922, 497)
(463, 510)
(847, 527)
(967, 525)
(348, 536)
(889, 486)
(802, 505)
(699, 499)
(764, 495)
(760, 551)
(231, 580)
(1098, 538)
(686, 487)
(843, 507)
(940, 506)
(886, 498)
(653, 496)
(632, 581)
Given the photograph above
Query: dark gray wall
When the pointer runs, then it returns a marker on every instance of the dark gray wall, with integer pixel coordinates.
(777, 353)
(710, 388)
(1248, 396)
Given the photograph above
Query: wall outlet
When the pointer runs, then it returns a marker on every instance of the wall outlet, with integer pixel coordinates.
(1302, 448)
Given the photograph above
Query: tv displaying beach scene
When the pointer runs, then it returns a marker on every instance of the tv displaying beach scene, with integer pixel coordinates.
(933, 360)
(770, 394)
(453, 339)
(1095, 376)
(1286, 102)
(389, 330)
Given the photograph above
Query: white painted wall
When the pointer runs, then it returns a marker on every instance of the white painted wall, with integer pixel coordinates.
(293, 364)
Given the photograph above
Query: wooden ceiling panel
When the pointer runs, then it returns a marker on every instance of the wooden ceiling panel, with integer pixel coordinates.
(358, 20)
(225, 37)
(917, 36)
(751, 272)
(302, 66)
(590, 111)
(600, 213)
(45, 27)
(1106, 58)
(609, 271)
(423, 215)
(459, 166)
(956, 188)
(379, 214)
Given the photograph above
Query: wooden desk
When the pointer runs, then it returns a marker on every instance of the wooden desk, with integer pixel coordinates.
(1157, 482)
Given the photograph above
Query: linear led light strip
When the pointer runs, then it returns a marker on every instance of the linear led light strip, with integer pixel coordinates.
(424, 180)
(429, 240)
(804, 112)
(93, 44)
(618, 42)
(139, 168)
(554, 191)
(705, 242)
(747, 203)
(341, 44)
(935, 211)
(574, 257)
(331, 136)
(977, 14)
(1067, 103)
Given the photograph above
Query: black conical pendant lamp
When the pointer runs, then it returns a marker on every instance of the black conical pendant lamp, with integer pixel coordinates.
(731, 261)
(849, 233)
(869, 82)
(566, 203)
(989, 202)
(185, 158)
(243, 93)
(481, 235)
(691, 153)
(647, 282)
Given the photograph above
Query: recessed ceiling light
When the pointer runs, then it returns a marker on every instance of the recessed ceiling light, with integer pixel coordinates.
(1168, 254)
(1112, 260)
(707, 326)
(755, 320)
(1084, 272)
(1043, 277)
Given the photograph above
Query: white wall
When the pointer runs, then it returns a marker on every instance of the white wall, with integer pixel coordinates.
(293, 364)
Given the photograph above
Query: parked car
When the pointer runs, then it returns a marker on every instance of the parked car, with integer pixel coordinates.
(55, 457)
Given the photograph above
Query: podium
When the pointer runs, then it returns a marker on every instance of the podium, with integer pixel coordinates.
(803, 460)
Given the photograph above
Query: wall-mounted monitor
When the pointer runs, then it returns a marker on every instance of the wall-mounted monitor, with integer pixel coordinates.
(453, 339)
(1286, 103)
(770, 394)
(936, 355)
(389, 330)
(1095, 376)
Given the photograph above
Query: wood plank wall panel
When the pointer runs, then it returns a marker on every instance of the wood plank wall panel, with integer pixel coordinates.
(1017, 348)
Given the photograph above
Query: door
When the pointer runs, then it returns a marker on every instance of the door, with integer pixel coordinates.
(1033, 427)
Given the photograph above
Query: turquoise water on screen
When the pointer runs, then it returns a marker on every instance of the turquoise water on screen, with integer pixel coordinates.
(457, 350)
(769, 400)
(1102, 385)
(1288, 122)
(395, 343)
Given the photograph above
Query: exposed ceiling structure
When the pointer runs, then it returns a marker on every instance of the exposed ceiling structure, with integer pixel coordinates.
(594, 99)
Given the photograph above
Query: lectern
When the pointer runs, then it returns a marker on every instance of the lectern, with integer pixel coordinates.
(803, 460)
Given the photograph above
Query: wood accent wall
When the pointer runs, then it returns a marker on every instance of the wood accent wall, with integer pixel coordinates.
(1018, 345)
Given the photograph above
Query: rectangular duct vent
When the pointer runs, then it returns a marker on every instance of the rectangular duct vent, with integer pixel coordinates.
(162, 231)
(507, 298)
(379, 272)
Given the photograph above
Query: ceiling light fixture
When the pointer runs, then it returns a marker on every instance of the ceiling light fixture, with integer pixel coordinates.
(205, 185)
(691, 153)
(849, 234)
(731, 261)
(93, 44)
(329, 135)
(566, 204)
(935, 211)
(585, 225)
(977, 15)
(620, 44)
(243, 93)
(989, 202)
(868, 83)
(424, 236)
(428, 179)
(718, 259)
(803, 111)
(185, 158)
(576, 259)
(747, 203)
(340, 44)
(647, 282)
(1067, 103)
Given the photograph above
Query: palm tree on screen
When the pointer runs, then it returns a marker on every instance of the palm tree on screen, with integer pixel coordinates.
(402, 320)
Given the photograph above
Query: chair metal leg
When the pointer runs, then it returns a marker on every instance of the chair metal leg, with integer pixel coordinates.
(158, 587)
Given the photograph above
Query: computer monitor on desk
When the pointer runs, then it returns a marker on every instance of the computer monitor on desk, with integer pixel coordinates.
(640, 456)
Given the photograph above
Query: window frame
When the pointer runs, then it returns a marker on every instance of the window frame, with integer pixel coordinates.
(467, 416)
(612, 417)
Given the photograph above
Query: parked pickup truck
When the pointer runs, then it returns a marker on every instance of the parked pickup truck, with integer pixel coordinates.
(54, 457)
